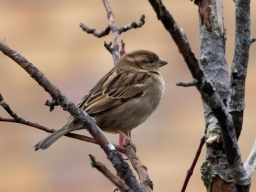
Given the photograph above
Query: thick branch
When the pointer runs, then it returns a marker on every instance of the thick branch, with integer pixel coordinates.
(119, 164)
(178, 36)
(240, 62)
(208, 93)
(214, 64)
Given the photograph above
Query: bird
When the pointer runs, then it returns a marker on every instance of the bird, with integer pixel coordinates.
(122, 99)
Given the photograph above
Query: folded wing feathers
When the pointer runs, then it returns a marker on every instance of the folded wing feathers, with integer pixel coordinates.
(113, 91)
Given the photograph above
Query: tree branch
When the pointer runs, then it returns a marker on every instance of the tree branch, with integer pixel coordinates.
(105, 171)
(95, 32)
(122, 52)
(119, 164)
(106, 31)
(208, 93)
(114, 29)
(146, 183)
(236, 102)
(177, 34)
(213, 63)
(191, 169)
(187, 84)
(132, 25)
(43, 128)
(8, 109)
(20, 120)
(250, 164)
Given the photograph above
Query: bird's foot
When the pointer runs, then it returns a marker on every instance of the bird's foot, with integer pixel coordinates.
(127, 141)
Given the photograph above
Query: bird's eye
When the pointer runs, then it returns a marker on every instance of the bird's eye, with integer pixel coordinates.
(151, 61)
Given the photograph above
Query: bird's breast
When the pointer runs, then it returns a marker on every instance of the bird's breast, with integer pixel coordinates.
(132, 113)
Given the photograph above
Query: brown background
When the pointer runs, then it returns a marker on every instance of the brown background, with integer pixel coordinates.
(47, 34)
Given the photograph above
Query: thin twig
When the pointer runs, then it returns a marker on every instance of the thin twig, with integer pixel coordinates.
(122, 52)
(105, 171)
(43, 128)
(104, 32)
(187, 84)
(95, 32)
(108, 46)
(132, 25)
(250, 163)
(114, 50)
(191, 169)
(236, 102)
(114, 29)
(8, 109)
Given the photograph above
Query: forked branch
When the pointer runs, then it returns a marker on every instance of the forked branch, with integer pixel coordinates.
(209, 95)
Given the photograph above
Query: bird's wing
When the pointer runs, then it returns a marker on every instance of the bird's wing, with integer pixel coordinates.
(114, 89)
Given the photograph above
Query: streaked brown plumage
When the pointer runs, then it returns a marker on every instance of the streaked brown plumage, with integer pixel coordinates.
(124, 98)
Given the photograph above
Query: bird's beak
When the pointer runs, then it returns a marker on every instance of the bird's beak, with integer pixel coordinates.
(161, 62)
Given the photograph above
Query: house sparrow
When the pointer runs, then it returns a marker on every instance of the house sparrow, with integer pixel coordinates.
(124, 98)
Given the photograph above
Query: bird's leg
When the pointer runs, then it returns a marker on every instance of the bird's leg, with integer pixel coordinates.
(121, 140)
(126, 140)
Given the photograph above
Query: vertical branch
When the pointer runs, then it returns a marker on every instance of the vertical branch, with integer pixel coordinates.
(225, 163)
(122, 52)
(214, 65)
(240, 62)
(114, 29)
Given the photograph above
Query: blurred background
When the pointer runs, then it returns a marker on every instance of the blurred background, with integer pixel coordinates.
(47, 33)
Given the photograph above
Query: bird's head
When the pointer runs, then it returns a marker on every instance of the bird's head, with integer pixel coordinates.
(140, 60)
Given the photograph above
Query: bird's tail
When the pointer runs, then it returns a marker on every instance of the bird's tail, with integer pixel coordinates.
(48, 141)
